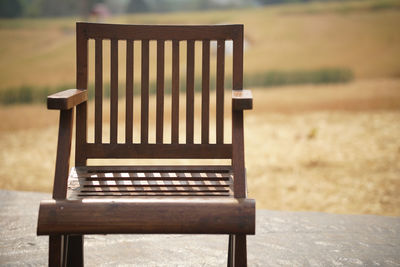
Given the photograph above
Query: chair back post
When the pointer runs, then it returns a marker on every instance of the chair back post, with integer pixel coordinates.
(237, 119)
(81, 83)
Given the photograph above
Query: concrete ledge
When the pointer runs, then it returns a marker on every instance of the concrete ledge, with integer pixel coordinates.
(282, 239)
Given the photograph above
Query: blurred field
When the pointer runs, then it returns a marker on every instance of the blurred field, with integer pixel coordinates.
(333, 148)
(322, 148)
(41, 52)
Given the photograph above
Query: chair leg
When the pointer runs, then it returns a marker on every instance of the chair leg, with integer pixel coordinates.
(65, 250)
(231, 250)
(56, 250)
(75, 251)
(240, 251)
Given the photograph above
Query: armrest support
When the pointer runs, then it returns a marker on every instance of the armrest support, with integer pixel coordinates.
(63, 154)
(66, 99)
(242, 99)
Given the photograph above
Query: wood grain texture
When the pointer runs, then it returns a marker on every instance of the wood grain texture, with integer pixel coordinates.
(63, 154)
(159, 168)
(220, 91)
(66, 99)
(129, 92)
(240, 250)
(237, 121)
(144, 119)
(175, 93)
(56, 249)
(114, 92)
(213, 216)
(160, 92)
(163, 32)
(205, 93)
(82, 84)
(190, 92)
(98, 92)
(152, 151)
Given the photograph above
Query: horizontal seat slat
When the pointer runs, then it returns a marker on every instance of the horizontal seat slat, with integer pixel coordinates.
(89, 182)
(213, 215)
(155, 194)
(153, 183)
(149, 189)
(158, 168)
(153, 176)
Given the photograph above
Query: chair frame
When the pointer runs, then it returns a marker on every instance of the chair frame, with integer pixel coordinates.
(66, 220)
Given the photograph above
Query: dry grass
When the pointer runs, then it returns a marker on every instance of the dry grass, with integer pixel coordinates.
(320, 148)
(42, 52)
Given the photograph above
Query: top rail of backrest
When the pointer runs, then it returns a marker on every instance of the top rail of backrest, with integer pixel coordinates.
(160, 32)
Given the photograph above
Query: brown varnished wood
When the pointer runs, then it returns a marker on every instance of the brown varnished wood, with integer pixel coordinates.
(144, 120)
(75, 251)
(201, 176)
(163, 32)
(205, 93)
(153, 151)
(242, 99)
(114, 92)
(98, 98)
(66, 99)
(213, 216)
(190, 92)
(56, 248)
(150, 199)
(81, 83)
(220, 91)
(159, 168)
(160, 92)
(129, 92)
(240, 251)
(175, 93)
(237, 121)
(63, 154)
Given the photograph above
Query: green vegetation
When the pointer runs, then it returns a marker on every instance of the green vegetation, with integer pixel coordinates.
(26, 94)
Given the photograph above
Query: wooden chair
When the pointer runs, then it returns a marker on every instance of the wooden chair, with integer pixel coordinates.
(149, 199)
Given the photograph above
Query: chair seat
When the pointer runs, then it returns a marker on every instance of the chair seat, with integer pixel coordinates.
(123, 181)
(148, 199)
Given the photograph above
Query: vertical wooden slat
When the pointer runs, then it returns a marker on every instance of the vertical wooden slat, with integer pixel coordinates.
(190, 92)
(98, 81)
(129, 92)
(114, 92)
(220, 90)
(81, 83)
(237, 120)
(144, 128)
(205, 93)
(160, 92)
(175, 93)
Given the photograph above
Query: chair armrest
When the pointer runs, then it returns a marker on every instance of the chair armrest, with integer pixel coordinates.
(242, 99)
(66, 99)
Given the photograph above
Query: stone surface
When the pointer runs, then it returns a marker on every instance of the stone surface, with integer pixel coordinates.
(282, 239)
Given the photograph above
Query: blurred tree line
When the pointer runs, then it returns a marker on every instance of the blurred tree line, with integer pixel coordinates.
(55, 8)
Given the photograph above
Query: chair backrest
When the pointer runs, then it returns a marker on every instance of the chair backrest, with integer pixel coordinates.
(129, 34)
